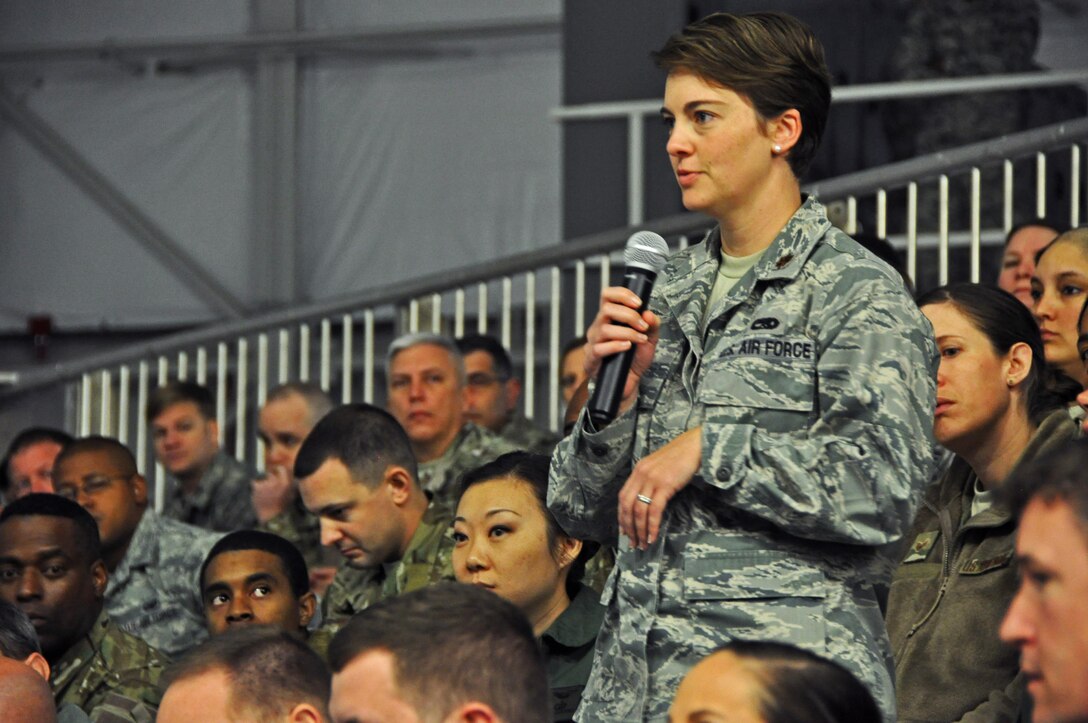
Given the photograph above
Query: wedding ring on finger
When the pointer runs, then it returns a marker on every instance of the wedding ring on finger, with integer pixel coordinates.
(644, 499)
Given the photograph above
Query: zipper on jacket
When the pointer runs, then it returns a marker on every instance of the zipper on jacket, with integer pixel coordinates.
(946, 555)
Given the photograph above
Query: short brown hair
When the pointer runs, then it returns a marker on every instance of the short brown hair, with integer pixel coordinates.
(173, 393)
(772, 58)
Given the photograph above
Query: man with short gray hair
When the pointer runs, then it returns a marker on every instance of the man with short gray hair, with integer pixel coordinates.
(426, 376)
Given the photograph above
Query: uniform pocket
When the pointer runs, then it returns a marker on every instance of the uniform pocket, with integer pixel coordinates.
(757, 594)
(765, 373)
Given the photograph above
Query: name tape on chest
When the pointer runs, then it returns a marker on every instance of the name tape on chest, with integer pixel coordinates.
(772, 348)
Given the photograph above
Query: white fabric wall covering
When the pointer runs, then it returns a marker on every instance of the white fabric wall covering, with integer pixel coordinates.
(178, 148)
(412, 167)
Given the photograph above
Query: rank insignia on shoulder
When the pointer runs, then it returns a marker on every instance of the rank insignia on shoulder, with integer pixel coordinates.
(923, 543)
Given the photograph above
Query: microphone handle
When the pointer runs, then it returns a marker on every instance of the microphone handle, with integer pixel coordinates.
(612, 376)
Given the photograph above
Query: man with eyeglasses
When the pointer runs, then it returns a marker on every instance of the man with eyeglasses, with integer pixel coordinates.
(426, 377)
(492, 392)
(153, 562)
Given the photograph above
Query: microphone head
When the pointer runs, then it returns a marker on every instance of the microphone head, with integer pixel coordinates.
(646, 250)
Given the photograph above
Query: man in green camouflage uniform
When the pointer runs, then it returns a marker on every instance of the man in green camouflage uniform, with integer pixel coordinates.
(492, 393)
(357, 473)
(153, 562)
(51, 567)
(289, 413)
(426, 395)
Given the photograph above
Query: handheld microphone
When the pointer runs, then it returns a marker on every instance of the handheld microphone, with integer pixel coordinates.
(645, 255)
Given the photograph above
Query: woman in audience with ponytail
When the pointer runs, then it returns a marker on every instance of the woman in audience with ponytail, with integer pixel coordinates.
(506, 541)
(958, 574)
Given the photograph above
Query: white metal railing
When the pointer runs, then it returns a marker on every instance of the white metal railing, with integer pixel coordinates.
(535, 301)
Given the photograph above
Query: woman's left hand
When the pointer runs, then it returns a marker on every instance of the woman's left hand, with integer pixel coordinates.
(658, 477)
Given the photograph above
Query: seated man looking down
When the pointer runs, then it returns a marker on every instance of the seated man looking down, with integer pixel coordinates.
(153, 562)
(449, 652)
(256, 578)
(492, 392)
(357, 473)
(51, 567)
(426, 376)
(248, 674)
(207, 488)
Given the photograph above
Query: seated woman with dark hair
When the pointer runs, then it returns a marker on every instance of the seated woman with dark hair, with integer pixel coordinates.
(959, 571)
(766, 682)
(508, 542)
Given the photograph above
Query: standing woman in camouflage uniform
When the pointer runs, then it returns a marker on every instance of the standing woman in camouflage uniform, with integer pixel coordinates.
(776, 426)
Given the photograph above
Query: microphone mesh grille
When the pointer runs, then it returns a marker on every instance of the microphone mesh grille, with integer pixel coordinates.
(647, 250)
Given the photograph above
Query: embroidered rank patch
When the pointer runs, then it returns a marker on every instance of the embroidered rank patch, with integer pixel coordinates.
(923, 543)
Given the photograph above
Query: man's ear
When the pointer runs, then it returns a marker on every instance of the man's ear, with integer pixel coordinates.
(100, 578)
(512, 389)
(307, 606)
(304, 713)
(139, 489)
(213, 430)
(38, 664)
(473, 712)
(398, 483)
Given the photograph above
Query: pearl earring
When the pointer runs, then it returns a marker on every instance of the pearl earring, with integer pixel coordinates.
(777, 149)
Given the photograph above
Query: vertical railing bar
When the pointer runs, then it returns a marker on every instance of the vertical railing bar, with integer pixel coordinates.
(881, 213)
(459, 313)
(240, 400)
(368, 356)
(635, 163)
(481, 307)
(413, 316)
(579, 297)
(124, 396)
(262, 392)
(105, 381)
(606, 272)
(1040, 185)
(942, 227)
(183, 366)
(553, 352)
(976, 223)
(346, 359)
(1074, 186)
(304, 352)
(160, 471)
(683, 242)
(164, 371)
(85, 393)
(1007, 194)
(530, 343)
(283, 366)
(326, 353)
(851, 215)
(507, 309)
(221, 369)
(202, 366)
(436, 313)
(912, 233)
(143, 380)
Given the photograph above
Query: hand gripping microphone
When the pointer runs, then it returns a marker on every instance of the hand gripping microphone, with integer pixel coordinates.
(645, 256)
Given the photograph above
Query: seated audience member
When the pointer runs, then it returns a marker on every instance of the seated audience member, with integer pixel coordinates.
(492, 392)
(153, 562)
(572, 371)
(289, 413)
(449, 652)
(1082, 352)
(248, 674)
(30, 461)
(765, 682)
(1022, 244)
(426, 395)
(506, 541)
(51, 568)
(24, 696)
(357, 473)
(1047, 620)
(957, 576)
(19, 642)
(207, 488)
(1059, 288)
(252, 577)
